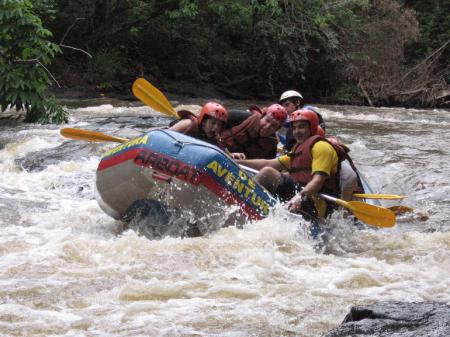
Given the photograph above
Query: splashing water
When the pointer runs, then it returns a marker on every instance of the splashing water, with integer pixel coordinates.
(67, 269)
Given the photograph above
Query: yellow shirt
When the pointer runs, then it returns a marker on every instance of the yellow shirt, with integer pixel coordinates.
(324, 159)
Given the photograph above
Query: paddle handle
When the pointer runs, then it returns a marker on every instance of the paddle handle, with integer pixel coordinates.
(332, 199)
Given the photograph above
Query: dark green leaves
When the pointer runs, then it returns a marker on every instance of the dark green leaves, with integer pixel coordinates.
(25, 51)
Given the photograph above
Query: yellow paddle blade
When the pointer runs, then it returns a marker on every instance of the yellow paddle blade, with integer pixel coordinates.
(152, 97)
(379, 196)
(370, 214)
(90, 136)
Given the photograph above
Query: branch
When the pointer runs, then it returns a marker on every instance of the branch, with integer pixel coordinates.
(36, 61)
(78, 49)
(418, 65)
(51, 75)
(364, 92)
(69, 29)
(65, 35)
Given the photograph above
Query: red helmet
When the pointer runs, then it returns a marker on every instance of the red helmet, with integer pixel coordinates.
(277, 112)
(214, 110)
(306, 115)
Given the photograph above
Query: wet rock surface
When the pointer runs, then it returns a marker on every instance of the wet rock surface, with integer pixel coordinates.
(387, 319)
(39, 160)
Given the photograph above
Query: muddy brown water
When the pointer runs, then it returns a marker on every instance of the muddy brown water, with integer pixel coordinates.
(67, 269)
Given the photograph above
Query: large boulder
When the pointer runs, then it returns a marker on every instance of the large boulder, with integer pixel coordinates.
(399, 319)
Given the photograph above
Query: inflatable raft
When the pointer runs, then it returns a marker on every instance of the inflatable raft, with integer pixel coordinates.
(166, 183)
(165, 177)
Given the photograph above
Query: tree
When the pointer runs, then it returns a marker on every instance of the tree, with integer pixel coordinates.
(376, 50)
(25, 51)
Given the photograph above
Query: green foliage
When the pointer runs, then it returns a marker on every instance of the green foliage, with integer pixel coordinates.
(24, 52)
(261, 47)
(349, 94)
(434, 19)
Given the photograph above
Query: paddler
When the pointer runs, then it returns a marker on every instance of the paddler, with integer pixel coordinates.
(312, 167)
(256, 137)
(207, 126)
(292, 100)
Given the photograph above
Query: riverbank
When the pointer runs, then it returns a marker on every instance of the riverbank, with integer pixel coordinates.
(188, 91)
(173, 90)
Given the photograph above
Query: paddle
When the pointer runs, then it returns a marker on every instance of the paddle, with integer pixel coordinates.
(370, 214)
(379, 196)
(151, 96)
(154, 98)
(90, 136)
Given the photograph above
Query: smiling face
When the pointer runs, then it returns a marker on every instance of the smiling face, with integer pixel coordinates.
(268, 126)
(291, 104)
(301, 130)
(211, 127)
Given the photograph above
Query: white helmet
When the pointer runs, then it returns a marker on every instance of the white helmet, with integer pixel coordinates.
(290, 94)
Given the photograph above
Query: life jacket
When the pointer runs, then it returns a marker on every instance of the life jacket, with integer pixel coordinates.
(245, 138)
(301, 164)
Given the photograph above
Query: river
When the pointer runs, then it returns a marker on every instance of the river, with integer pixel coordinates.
(67, 269)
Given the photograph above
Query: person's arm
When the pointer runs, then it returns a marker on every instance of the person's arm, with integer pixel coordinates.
(182, 126)
(311, 188)
(258, 164)
(315, 185)
(238, 156)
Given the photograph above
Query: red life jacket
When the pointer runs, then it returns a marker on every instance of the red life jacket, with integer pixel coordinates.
(301, 165)
(245, 138)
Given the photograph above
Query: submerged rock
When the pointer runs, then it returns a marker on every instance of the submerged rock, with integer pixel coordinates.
(386, 319)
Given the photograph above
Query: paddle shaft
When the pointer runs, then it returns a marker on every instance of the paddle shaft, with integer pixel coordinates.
(90, 136)
(379, 196)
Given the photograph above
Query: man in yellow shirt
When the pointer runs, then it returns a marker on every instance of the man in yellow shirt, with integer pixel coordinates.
(310, 167)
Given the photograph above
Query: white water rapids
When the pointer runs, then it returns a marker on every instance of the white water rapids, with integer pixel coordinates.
(67, 269)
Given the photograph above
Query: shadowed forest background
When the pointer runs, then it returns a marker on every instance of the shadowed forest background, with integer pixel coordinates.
(377, 52)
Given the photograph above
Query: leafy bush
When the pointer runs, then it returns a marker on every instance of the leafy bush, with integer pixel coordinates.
(349, 94)
(24, 52)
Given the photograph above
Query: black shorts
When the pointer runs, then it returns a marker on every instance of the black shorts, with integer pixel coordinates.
(287, 189)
